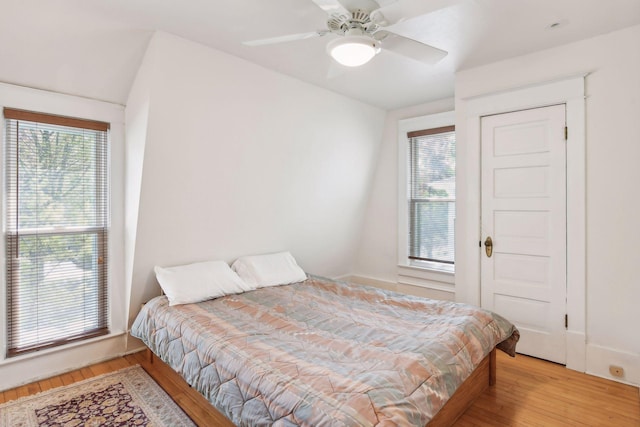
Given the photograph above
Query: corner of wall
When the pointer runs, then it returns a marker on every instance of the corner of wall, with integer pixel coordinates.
(136, 122)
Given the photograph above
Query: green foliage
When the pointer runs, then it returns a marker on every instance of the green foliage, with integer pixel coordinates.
(57, 184)
(56, 177)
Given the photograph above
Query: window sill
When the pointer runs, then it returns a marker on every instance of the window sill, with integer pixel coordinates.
(35, 354)
(428, 275)
(438, 267)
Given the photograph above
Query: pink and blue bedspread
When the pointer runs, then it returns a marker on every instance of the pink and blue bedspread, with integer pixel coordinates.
(322, 352)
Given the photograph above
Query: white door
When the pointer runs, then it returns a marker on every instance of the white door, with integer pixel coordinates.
(524, 214)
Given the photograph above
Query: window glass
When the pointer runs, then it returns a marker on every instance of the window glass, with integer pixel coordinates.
(432, 195)
(57, 230)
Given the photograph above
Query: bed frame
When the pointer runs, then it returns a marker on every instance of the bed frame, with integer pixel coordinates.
(479, 380)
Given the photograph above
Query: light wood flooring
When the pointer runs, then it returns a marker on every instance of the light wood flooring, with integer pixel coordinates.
(529, 392)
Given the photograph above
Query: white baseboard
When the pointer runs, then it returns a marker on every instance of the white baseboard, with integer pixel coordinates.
(405, 288)
(376, 283)
(48, 363)
(343, 278)
(600, 358)
(576, 351)
(135, 350)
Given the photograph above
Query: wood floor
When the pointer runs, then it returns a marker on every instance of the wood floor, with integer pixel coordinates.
(529, 392)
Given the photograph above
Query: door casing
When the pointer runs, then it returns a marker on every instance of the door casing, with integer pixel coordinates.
(569, 91)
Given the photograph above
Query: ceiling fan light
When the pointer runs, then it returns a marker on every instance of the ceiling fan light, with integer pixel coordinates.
(353, 51)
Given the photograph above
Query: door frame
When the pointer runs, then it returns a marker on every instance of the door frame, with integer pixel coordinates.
(569, 91)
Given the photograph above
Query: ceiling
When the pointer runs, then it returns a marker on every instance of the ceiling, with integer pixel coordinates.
(93, 48)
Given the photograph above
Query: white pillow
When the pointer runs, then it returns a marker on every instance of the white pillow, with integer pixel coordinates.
(200, 281)
(261, 271)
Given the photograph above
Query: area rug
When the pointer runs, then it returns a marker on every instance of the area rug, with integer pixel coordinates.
(128, 397)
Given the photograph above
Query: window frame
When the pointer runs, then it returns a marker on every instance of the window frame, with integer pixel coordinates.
(47, 362)
(101, 232)
(429, 274)
(414, 202)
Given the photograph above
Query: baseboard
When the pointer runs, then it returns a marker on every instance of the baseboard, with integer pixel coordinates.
(404, 288)
(376, 283)
(343, 278)
(599, 358)
(135, 350)
(48, 363)
(576, 351)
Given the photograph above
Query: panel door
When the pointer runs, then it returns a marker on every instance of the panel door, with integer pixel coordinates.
(524, 213)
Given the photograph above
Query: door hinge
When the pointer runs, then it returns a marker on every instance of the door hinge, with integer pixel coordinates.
(566, 133)
(566, 321)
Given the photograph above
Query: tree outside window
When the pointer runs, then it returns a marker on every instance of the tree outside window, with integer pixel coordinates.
(57, 225)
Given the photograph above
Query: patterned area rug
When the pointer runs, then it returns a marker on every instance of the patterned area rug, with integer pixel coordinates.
(128, 397)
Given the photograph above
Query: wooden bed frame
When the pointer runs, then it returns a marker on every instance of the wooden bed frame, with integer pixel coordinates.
(479, 380)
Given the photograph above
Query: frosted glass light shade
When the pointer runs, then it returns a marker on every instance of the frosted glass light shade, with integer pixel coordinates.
(353, 51)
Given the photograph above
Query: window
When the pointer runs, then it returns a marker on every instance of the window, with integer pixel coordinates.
(56, 234)
(431, 195)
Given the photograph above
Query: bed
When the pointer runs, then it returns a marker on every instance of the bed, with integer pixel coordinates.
(324, 352)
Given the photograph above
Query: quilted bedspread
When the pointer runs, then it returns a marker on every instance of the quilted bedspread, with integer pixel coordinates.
(321, 352)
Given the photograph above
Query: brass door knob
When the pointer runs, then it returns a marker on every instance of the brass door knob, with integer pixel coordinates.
(488, 246)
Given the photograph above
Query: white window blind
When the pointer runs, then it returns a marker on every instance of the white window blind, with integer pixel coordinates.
(432, 194)
(57, 229)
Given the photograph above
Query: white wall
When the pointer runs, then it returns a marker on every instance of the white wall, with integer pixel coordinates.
(612, 208)
(242, 160)
(377, 259)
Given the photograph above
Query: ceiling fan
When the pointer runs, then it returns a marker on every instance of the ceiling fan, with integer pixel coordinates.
(362, 32)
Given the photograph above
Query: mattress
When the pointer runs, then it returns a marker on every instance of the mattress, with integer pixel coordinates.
(322, 352)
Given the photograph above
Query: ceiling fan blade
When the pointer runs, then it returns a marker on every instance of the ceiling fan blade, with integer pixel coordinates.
(395, 12)
(368, 5)
(410, 48)
(287, 38)
(385, 3)
(332, 7)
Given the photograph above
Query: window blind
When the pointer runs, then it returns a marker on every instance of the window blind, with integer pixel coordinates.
(57, 218)
(432, 194)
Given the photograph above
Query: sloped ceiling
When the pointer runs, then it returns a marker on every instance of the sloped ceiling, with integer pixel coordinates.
(93, 48)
